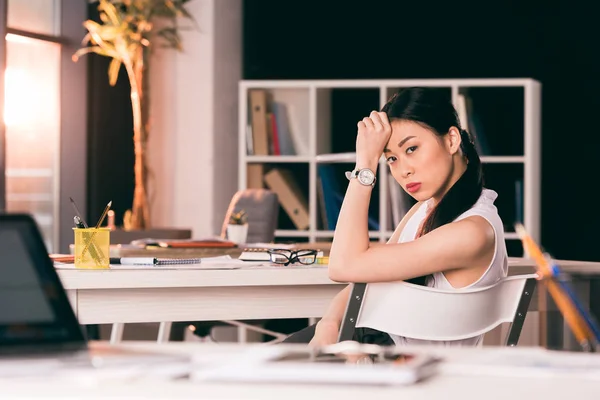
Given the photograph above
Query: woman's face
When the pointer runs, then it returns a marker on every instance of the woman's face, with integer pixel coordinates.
(421, 161)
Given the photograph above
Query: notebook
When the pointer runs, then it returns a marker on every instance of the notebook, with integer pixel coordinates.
(219, 262)
(153, 261)
(346, 363)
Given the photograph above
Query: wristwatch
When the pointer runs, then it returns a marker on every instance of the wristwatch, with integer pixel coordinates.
(365, 176)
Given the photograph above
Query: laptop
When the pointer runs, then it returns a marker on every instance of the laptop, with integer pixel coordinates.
(36, 319)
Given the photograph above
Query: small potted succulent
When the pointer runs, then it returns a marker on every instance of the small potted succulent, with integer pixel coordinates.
(237, 229)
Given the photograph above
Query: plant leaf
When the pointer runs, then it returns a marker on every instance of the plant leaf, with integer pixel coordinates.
(111, 11)
(113, 71)
(91, 49)
(171, 36)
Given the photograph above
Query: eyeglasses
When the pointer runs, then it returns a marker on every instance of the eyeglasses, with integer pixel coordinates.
(287, 257)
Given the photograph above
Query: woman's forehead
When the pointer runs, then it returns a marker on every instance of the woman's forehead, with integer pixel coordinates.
(402, 128)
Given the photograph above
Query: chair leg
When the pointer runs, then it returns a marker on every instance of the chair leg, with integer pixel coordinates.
(116, 333)
(242, 334)
(514, 332)
(247, 327)
(352, 312)
(164, 332)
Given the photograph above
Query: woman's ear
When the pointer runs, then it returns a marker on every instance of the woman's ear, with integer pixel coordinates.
(453, 140)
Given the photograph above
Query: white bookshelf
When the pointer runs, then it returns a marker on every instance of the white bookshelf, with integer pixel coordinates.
(310, 121)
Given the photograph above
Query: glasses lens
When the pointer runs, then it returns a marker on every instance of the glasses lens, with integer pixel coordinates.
(280, 256)
(279, 259)
(306, 257)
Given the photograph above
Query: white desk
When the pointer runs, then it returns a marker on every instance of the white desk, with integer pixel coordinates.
(108, 296)
(126, 296)
(442, 386)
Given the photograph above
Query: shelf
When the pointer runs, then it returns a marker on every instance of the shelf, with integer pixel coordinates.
(337, 158)
(328, 234)
(351, 157)
(291, 233)
(503, 115)
(502, 159)
(277, 159)
(376, 83)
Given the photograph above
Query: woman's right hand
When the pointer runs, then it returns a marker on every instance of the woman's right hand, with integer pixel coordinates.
(326, 333)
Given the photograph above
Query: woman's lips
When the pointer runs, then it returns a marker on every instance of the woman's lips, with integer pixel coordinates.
(413, 187)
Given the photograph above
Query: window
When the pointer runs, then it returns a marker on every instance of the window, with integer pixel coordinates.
(42, 140)
(32, 120)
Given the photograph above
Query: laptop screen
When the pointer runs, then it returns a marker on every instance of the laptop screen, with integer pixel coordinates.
(35, 310)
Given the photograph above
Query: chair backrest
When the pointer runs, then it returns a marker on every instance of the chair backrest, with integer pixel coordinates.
(262, 210)
(425, 313)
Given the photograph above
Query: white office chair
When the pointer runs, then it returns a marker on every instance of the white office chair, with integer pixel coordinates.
(421, 312)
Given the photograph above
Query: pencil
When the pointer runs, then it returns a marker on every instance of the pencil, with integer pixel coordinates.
(566, 307)
(87, 245)
(103, 214)
(588, 318)
(85, 225)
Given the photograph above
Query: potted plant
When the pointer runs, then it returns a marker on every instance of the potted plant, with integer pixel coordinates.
(237, 228)
(128, 32)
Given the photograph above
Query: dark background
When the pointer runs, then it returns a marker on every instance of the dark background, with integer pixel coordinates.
(558, 44)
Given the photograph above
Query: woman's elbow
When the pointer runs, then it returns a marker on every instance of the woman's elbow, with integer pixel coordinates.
(336, 271)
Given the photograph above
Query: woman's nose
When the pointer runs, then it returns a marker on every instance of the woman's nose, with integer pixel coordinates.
(406, 171)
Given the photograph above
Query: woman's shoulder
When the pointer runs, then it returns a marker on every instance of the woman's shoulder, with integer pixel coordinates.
(484, 204)
(484, 207)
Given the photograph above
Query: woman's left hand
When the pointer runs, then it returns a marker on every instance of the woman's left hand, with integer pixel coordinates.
(373, 134)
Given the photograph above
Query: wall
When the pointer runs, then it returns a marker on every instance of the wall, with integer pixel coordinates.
(193, 142)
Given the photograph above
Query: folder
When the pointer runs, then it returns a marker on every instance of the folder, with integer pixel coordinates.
(290, 196)
(254, 177)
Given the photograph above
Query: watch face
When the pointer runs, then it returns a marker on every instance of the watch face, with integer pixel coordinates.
(366, 176)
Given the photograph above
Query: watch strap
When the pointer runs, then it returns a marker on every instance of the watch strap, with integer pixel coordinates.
(356, 172)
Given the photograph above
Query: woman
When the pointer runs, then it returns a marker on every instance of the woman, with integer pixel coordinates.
(452, 238)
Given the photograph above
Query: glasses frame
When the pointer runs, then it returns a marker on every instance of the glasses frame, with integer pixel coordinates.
(293, 256)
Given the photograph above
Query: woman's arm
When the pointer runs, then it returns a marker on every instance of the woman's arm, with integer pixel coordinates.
(352, 230)
(469, 242)
(403, 221)
(336, 309)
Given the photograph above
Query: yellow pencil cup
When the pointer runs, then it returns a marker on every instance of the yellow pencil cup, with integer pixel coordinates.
(92, 248)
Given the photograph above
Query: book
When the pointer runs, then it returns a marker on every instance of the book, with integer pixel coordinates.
(333, 197)
(62, 258)
(184, 243)
(285, 142)
(258, 118)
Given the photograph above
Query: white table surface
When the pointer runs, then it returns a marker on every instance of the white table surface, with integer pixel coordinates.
(443, 386)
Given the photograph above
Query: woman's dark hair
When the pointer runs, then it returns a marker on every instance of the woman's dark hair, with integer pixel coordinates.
(432, 109)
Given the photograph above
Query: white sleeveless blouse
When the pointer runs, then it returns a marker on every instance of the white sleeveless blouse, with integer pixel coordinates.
(498, 268)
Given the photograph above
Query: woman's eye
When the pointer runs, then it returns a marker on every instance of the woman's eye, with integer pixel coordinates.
(390, 159)
(411, 149)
